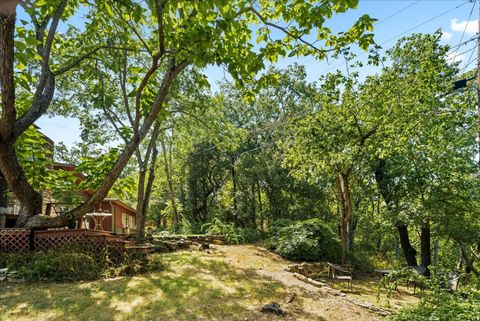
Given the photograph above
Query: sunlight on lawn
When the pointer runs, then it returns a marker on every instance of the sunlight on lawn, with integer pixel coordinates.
(190, 288)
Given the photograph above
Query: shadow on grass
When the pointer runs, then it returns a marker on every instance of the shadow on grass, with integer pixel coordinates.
(191, 288)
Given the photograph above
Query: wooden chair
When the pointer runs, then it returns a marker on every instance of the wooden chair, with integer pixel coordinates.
(342, 273)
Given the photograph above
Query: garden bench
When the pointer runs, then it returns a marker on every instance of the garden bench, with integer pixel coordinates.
(340, 272)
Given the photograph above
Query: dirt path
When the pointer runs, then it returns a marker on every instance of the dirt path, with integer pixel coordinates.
(310, 303)
(227, 283)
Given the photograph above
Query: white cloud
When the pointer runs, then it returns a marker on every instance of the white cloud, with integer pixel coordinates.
(455, 57)
(446, 35)
(459, 26)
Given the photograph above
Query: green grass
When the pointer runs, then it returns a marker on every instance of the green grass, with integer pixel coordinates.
(191, 288)
(229, 283)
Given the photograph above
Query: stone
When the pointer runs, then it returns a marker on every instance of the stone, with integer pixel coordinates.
(273, 308)
(203, 247)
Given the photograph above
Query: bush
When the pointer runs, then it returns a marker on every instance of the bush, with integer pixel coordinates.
(217, 227)
(274, 229)
(75, 265)
(444, 307)
(310, 240)
(248, 234)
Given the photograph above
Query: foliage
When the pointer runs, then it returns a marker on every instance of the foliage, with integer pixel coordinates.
(74, 264)
(310, 240)
(217, 227)
(274, 232)
(406, 275)
(443, 306)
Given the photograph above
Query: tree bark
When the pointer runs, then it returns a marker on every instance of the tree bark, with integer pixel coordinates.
(408, 250)
(382, 182)
(144, 191)
(40, 221)
(30, 200)
(171, 192)
(148, 189)
(254, 207)
(234, 192)
(343, 196)
(425, 248)
(140, 209)
(260, 206)
(466, 257)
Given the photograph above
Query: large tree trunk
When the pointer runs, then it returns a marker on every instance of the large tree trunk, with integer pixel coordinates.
(425, 248)
(148, 189)
(234, 192)
(408, 250)
(41, 221)
(382, 182)
(254, 207)
(30, 200)
(144, 191)
(171, 192)
(466, 257)
(343, 196)
(140, 209)
(260, 206)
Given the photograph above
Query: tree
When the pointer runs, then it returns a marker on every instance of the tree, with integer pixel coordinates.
(332, 140)
(425, 143)
(171, 35)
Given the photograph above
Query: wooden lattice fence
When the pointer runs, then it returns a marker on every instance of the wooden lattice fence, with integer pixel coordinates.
(14, 240)
(17, 240)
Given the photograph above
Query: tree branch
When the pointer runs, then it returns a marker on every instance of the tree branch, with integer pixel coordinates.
(285, 30)
(132, 28)
(77, 61)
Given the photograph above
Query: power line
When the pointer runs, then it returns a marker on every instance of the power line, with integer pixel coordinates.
(464, 69)
(466, 25)
(399, 11)
(458, 55)
(462, 44)
(425, 22)
(398, 35)
(383, 19)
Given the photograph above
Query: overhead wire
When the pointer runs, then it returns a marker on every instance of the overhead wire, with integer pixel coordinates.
(398, 35)
(466, 25)
(384, 19)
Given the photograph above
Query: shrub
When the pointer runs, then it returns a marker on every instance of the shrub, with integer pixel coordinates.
(441, 306)
(274, 229)
(75, 264)
(217, 227)
(310, 240)
(249, 235)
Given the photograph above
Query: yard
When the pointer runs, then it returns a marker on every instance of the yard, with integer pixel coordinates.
(229, 283)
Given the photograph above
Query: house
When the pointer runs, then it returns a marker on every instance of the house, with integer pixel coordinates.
(111, 214)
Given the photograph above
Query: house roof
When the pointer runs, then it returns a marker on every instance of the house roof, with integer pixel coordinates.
(119, 202)
(70, 167)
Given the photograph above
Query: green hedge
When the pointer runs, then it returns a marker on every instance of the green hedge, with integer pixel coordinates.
(310, 240)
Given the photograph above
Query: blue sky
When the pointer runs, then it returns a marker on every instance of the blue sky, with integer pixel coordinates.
(397, 18)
